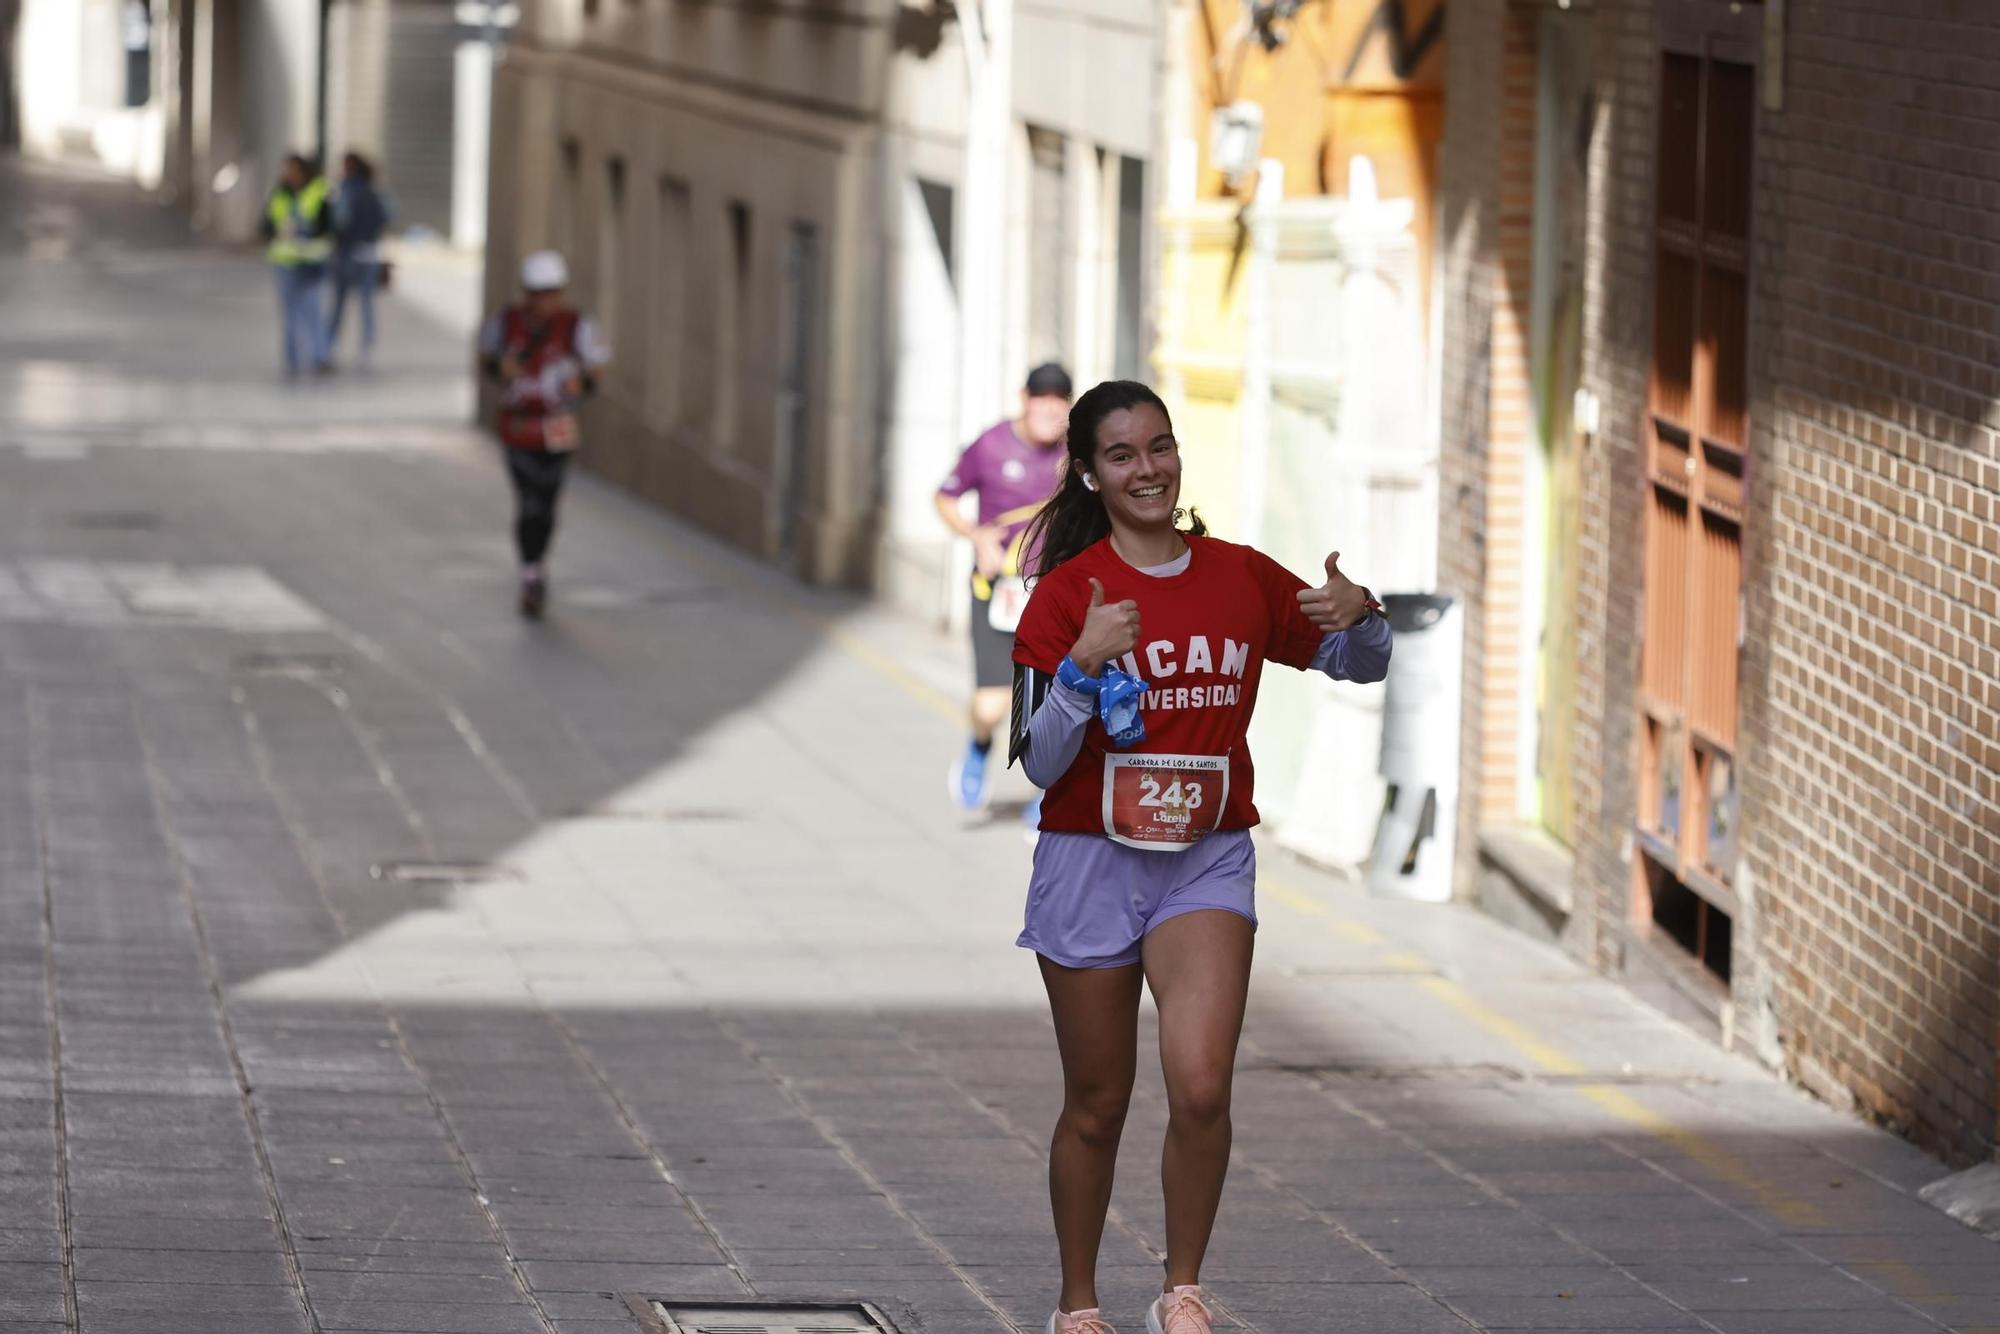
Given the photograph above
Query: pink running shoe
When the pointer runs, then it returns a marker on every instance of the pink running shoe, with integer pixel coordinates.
(1089, 1321)
(1179, 1312)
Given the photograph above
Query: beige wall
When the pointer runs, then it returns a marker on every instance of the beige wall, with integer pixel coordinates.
(1090, 69)
(846, 117)
(827, 59)
(688, 412)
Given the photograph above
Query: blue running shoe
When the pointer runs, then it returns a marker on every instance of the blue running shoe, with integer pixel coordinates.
(969, 779)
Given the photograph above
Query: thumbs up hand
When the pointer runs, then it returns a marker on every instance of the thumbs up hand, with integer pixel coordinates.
(1337, 604)
(1110, 630)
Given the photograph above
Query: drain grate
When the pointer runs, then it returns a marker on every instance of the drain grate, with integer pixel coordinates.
(683, 1316)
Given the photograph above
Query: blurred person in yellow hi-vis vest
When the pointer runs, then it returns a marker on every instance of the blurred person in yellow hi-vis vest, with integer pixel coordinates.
(296, 228)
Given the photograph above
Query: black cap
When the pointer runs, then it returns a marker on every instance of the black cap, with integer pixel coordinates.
(1049, 378)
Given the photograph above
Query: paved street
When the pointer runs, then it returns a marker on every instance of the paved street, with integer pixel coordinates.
(372, 961)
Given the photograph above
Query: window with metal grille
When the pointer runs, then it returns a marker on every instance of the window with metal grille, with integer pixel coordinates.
(1696, 452)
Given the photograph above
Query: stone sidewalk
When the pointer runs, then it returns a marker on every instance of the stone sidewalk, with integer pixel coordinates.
(371, 961)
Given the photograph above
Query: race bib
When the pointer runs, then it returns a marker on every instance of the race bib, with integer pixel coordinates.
(1166, 803)
(559, 433)
(1009, 600)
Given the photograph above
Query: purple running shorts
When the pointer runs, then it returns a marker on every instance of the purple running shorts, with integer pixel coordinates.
(1091, 901)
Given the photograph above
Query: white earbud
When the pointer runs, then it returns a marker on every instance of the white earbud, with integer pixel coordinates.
(1089, 482)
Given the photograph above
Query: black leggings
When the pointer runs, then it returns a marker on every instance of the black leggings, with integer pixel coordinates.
(538, 477)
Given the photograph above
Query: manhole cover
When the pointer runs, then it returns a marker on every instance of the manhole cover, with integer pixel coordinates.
(682, 1316)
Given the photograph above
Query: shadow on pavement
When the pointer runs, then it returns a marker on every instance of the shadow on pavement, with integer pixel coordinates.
(375, 961)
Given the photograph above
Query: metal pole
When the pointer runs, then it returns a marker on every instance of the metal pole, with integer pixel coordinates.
(320, 65)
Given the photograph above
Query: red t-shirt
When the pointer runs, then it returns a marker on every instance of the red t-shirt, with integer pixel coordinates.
(1204, 636)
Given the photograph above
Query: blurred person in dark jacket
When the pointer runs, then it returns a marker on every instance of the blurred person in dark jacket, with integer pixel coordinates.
(295, 227)
(361, 214)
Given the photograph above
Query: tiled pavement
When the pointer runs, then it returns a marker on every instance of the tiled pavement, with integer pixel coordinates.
(371, 961)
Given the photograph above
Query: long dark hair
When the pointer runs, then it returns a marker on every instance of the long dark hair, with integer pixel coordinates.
(1074, 516)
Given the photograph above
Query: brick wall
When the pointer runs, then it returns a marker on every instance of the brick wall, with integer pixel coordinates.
(1867, 956)
(1468, 211)
(1874, 817)
(1617, 347)
(1616, 315)
(1510, 428)
(1488, 431)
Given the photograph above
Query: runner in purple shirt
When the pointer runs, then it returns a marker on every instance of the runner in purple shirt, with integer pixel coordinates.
(1013, 467)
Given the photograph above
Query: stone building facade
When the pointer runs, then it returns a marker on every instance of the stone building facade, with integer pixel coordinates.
(773, 210)
(1721, 490)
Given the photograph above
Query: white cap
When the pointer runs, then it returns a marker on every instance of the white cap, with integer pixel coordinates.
(544, 271)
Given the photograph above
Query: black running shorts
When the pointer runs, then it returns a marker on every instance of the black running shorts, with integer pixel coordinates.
(992, 651)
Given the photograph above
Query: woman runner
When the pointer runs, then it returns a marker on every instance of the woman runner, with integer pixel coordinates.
(1145, 871)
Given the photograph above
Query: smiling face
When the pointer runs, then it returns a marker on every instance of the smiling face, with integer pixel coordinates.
(1137, 464)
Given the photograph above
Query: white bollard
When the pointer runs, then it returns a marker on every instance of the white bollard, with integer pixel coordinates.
(1420, 714)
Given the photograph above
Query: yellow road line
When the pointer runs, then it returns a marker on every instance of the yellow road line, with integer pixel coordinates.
(1546, 1057)
(905, 680)
(854, 646)
(792, 603)
(1353, 932)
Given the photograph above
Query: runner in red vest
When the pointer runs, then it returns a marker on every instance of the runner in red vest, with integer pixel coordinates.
(1136, 670)
(544, 357)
